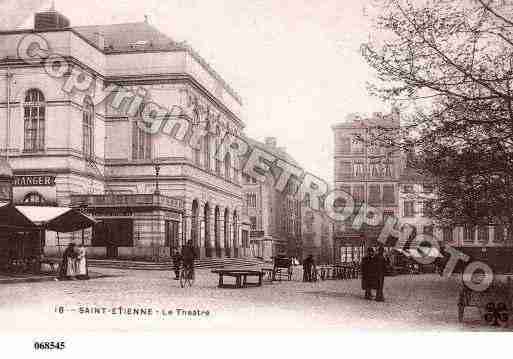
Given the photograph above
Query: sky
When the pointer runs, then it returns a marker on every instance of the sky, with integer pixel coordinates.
(296, 64)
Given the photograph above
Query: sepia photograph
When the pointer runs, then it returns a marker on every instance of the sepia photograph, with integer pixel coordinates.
(323, 166)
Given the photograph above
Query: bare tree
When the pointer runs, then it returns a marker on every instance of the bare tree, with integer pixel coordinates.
(451, 63)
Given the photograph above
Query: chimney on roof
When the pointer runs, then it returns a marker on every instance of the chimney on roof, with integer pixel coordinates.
(271, 141)
(50, 20)
(99, 40)
(147, 19)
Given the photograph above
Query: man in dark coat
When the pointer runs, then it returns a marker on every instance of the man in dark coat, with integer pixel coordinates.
(368, 282)
(177, 262)
(188, 256)
(308, 266)
(380, 269)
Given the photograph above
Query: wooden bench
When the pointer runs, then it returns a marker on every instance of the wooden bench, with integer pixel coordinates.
(241, 277)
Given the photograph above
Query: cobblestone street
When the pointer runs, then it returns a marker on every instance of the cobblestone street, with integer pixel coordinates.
(421, 302)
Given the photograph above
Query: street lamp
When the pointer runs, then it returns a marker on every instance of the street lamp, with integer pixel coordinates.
(157, 171)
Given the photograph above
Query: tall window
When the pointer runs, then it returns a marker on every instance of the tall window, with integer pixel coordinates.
(374, 194)
(388, 194)
(227, 165)
(88, 129)
(141, 141)
(34, 118)
(409, 209)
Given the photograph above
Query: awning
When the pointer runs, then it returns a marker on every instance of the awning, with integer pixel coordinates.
(11, 218)
(58, 219)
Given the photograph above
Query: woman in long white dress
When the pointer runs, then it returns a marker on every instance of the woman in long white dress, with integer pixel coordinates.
(82, 272)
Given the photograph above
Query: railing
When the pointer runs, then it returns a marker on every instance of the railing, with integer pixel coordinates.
(132, 200)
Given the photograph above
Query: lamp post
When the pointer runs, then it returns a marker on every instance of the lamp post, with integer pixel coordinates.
(157, 171)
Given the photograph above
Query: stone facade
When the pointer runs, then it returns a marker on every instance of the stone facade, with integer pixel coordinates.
(114, 157)
(369, 172)
(285, 221)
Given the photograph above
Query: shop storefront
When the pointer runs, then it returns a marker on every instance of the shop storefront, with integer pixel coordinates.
(133, 226)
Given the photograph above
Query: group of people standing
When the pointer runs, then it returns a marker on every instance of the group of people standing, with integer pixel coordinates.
(373, 273)
(74, 263)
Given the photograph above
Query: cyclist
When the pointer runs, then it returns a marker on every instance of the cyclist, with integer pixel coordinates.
(177, 262)
(188, 257)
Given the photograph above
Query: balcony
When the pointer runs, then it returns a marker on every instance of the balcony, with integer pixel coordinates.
(128, 200)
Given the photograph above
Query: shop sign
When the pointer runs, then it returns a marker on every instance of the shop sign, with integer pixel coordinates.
(33, 181)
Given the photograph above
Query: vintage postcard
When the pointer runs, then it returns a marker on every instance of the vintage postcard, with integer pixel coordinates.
(255, 165)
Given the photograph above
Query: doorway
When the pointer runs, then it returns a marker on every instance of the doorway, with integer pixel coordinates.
(112, 234)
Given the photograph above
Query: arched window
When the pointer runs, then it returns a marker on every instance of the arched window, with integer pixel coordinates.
(34, 118)
(34, 198)
(227, 165)
(88, 129)
(141, 140)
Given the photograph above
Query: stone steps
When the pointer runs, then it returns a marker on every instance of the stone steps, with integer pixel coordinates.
(205, 263)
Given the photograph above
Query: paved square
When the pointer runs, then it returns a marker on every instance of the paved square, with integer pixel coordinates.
(413, 302)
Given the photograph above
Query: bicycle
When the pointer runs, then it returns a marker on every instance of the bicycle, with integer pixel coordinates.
(186, 276)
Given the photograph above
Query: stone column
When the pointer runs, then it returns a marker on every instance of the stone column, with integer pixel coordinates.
(201, 234)
(220, 225)
(212, 234)
(187, 227)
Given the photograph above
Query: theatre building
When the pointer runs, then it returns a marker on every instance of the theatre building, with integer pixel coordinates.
(151, 192)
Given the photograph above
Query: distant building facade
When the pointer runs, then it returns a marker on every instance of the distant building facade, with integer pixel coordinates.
(274, 216)
(288, 221)
(369, 172)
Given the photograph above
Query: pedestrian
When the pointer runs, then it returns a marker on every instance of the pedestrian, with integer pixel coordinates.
(82, 270)
(188, 256)
(177, 262)
(380, 269)
(67, 267)
(308, 266)
(367, 273)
